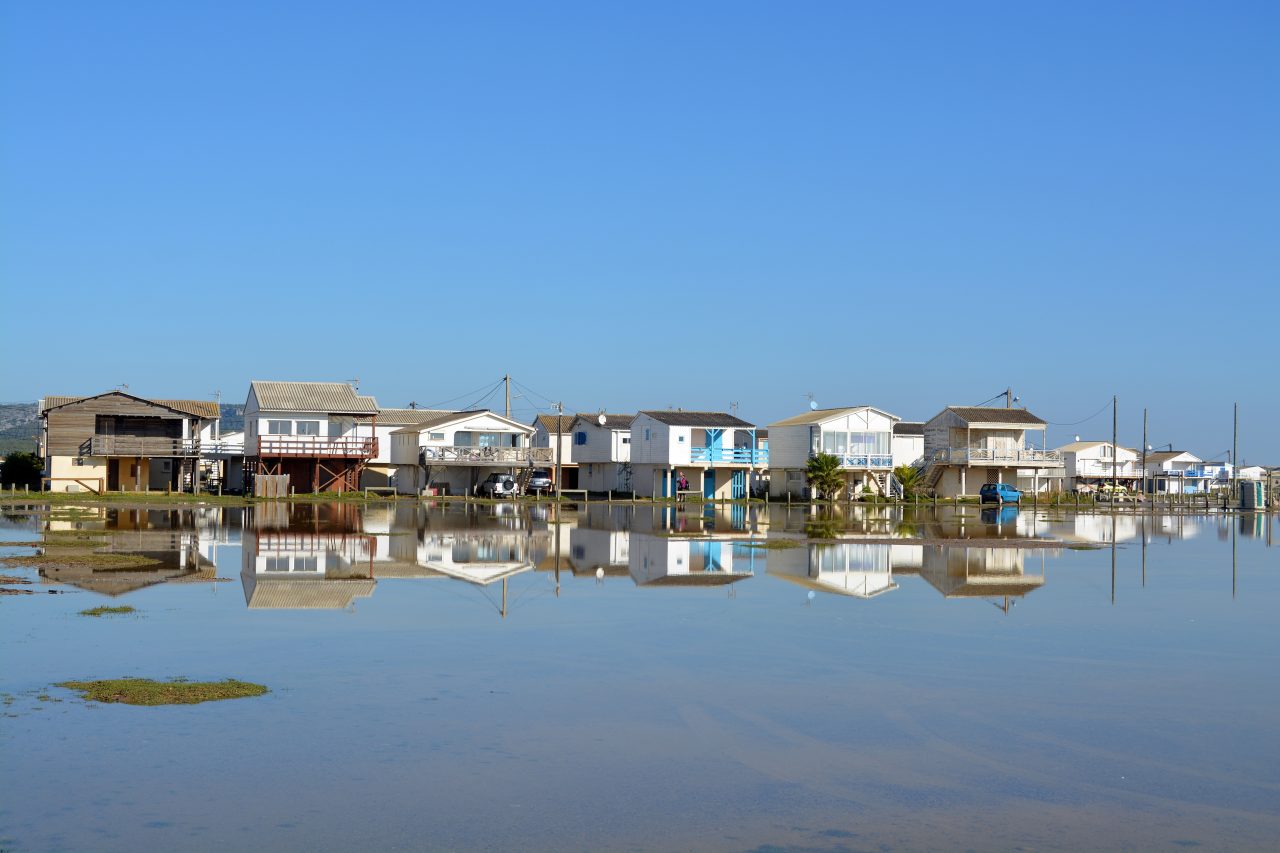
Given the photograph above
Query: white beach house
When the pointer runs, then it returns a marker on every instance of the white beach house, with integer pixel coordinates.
(550, 431)
(1089, 466)
(861, 437)
(454, 452)
(1177, 472)
(715, 451)
(602, 451)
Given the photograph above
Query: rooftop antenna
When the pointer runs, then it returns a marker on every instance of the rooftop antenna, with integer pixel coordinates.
(733, 407)
(354, 383)
(813, 404)
(123, 386)
(413, 404)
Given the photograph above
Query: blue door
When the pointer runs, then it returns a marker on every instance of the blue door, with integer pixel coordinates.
(739, 485)
(714, 439)
(709, 485)
(665, 492)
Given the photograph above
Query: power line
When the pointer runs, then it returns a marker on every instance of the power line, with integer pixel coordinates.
(459, 397)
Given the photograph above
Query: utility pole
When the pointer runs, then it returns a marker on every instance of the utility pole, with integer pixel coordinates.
(1115, 419)
(559, 420)
(1235, 458)
(1008, 398)
(1144, 456)
(506, 380)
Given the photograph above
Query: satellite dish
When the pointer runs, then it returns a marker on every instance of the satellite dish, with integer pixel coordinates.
(600, 419)
(1077, 438)
(813, 405)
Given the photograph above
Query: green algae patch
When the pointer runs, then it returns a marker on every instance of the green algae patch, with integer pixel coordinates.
(776, 544)
(107, 611)
(145, 691)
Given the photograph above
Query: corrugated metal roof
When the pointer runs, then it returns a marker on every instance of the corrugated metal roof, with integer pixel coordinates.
(198, 408)
(307, 594)
(450, 417)
(549, 422)
(408, 417)
(908, 428)
(612, 421)
(336, 398)
(675, 417)
(817, 416)
(991, 415)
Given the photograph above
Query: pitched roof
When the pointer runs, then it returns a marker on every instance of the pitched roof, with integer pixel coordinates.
(676, 417)
(1166, 455)
(197, 408)
(408, 417)
(908, 428)
(612, 421)
(442, 418)
(329, 397)
(817, 416)
(993, 415)
(548, 422)
(1077, 446)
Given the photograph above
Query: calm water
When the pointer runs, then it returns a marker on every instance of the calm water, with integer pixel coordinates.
(453, 679)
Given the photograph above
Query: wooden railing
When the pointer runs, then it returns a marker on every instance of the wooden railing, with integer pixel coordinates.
(487, 455)
(997, 455)
(271, 446)
(139, 445)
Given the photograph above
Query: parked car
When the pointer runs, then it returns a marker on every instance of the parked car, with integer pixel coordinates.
(539, 483)
(999, 493)
(498, 486)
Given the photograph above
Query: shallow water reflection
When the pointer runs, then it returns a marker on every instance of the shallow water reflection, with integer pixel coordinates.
(636, 677)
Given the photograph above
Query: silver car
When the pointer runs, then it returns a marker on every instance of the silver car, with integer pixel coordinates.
(539, 483)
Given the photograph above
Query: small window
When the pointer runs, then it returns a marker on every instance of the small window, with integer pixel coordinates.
(306, 564)
(626, 439)
(680, 439)
(279, 427)
(646, 433)
(277, 564)
(308, 427)
(579, 438)
(435, 436)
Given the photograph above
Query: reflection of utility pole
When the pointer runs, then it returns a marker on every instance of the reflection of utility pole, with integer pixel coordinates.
(1114, 459)
(1113, 557)
(559, 419)
(504, 598)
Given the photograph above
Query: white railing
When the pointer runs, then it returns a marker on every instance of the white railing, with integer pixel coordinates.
(997, 455)
(487, 455)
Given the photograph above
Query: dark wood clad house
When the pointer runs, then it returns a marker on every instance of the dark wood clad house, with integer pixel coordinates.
(122, 442)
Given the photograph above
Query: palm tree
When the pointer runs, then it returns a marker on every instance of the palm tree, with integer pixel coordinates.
(824, 475)
(909, 477)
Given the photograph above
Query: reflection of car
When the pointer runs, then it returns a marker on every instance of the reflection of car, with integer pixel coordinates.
(1002, 515)
(999, 493)
(499, 486)
(539, 481)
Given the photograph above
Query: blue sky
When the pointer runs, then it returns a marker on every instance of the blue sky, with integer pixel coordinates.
(642, 205)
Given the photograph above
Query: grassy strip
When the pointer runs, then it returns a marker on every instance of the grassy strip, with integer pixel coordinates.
(107, 611)
(87, 560)
(145, 691)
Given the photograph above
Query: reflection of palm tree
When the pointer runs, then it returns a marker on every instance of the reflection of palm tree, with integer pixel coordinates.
(824, 475)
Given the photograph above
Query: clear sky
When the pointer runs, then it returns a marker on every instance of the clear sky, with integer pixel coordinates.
(639, 205)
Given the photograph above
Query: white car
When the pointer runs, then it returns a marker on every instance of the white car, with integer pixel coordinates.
(498, 486)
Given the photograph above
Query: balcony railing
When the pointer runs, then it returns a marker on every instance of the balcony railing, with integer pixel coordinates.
(211, 449)
(997, 455)
(729, 455)
(864, 460)
(312, 447)
(139, 445)
(487, 455)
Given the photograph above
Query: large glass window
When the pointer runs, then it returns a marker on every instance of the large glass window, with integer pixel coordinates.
(280, 427)
(308, 427)
(835, 443)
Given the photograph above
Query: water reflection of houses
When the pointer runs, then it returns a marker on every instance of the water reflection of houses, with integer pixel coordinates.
(976, 572)
(170, 538)
(306, 570)
(669, 561)
(848, 568)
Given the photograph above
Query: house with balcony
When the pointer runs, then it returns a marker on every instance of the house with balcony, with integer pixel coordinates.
(602, 451)
(1177, 472)
(454, 452)
(861, 437)
(857, 570)
(550, 430)
(1089, 466)
(715, 451)
(662, 561)
(967, 446)
(321, 434)
(380, 471)
(117, 441)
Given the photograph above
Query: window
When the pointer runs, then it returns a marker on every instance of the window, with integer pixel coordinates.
(435, 436)
(579, 438)
(680, 439)
(279, 427)
(308, 427)
(626, 439)
(277, 564)
(306, 564)
(646, 433)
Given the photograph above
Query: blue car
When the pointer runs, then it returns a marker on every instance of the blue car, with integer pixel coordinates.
(999, 493)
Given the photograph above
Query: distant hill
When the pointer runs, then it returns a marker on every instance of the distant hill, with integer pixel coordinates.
(19, 427)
